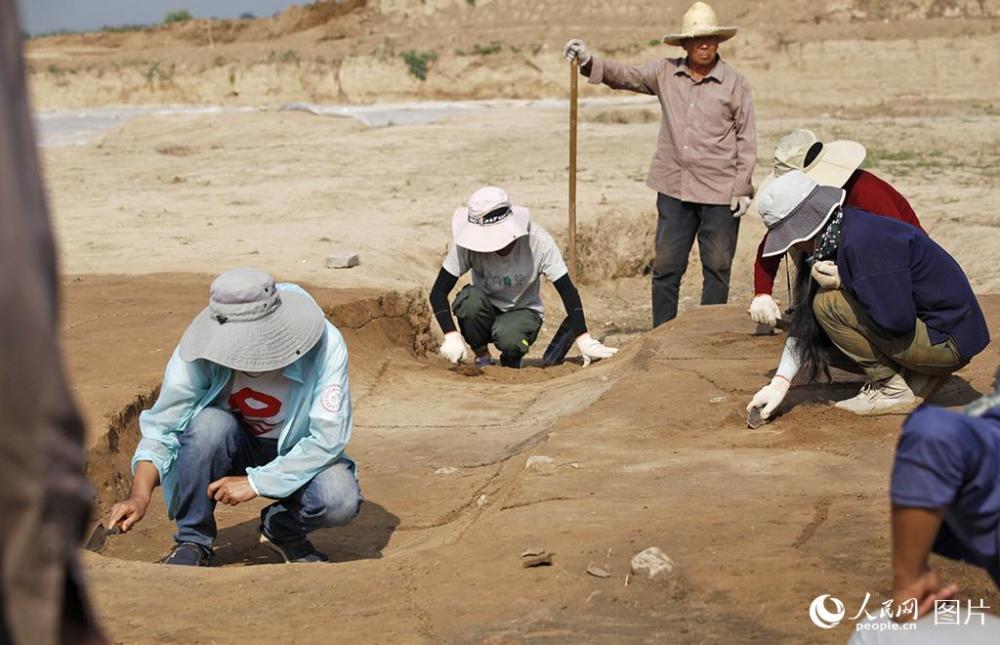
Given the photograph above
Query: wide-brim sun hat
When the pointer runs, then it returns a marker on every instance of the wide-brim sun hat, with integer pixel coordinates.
(489, 222)
(828, 164)
(700, 21)
(251, 326)
(795, 209)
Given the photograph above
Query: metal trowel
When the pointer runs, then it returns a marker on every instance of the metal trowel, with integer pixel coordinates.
(98, 539)
(754, 420)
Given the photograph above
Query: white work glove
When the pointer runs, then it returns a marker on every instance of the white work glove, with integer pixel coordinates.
(826, 275)
(770, 396)
(739, 206)
(576, 49)
(453, 347)
(764, 310)
(592, 349)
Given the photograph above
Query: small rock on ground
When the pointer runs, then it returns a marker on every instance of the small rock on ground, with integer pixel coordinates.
(651, 563)
(343, 260)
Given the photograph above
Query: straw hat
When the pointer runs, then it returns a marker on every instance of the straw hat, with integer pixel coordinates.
(252, 327)
(489, 222)
(795, 208)
(700, 21)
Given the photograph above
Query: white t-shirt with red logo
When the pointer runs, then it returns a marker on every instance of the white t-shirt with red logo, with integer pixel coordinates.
(260, 402)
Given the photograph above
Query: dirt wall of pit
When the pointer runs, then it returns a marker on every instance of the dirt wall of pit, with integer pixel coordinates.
(376, 328)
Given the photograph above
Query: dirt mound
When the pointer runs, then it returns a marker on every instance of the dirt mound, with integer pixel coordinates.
(328, 14)
(616, 246)
(862, 10)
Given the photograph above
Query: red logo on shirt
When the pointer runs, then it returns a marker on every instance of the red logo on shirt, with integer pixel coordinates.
(252, 406)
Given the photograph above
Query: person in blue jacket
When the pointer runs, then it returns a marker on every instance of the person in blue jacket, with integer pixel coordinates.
(881, 298)
(255, 401)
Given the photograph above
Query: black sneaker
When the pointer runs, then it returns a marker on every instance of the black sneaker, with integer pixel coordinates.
(188, 554)
(301, 550)
(510, 361)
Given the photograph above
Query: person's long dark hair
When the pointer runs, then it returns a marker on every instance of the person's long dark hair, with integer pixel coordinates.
(811, 341)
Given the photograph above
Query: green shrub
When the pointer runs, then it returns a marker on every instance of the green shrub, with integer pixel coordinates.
(181, 15)
(486, 50)
(418, 62)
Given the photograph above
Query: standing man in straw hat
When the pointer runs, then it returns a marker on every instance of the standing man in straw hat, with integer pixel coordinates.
(892, 303)
(704, 157)
(836, 164)
(507, 254)
(255, 402)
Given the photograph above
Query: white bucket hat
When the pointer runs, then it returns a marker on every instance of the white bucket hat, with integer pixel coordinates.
(249, 326)
(489, 222)
(795, 208)
(700, 21)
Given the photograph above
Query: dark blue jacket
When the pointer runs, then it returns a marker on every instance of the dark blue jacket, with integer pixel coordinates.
(899, 274)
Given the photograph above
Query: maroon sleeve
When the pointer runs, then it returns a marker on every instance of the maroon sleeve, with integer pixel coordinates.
(764, 271)
(869, 193)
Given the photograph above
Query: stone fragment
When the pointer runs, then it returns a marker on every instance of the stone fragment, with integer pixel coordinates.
(651, 563)
(342, 260)
(540, 464)
(446, 470)
(536, 558)
(598, 572)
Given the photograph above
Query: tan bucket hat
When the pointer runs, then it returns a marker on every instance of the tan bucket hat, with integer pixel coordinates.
(700, 21)
(828, 164)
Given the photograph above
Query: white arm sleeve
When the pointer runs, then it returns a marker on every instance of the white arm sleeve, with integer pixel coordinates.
(789, 365)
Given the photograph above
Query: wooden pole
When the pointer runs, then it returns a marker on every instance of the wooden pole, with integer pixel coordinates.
(574, 72)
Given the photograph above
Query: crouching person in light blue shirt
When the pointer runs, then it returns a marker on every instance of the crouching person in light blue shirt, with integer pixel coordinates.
(255, 402)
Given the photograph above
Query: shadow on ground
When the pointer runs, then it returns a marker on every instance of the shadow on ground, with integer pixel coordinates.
(362, 539)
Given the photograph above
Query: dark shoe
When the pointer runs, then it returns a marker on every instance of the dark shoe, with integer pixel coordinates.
(301, 550)
(507, 361)
(188, 554)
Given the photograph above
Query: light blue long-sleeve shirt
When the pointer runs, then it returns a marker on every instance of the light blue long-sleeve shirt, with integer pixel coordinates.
(312, 438)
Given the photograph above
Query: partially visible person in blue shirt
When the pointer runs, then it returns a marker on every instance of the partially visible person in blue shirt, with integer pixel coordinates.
(255, 401)
(946, 495)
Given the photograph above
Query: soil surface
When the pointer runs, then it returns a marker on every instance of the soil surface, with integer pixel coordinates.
(647, 449)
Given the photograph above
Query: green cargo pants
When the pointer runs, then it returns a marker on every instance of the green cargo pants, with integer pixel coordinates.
(876, 351)
(512, 332)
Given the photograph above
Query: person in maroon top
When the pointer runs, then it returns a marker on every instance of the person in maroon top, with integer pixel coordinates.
(834, 164)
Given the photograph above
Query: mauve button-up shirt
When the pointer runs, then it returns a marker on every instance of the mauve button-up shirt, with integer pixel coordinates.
(707, 145)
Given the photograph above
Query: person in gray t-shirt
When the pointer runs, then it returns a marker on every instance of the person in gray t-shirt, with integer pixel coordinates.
(507, 255)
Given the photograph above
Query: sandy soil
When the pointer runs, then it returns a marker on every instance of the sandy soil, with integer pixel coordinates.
(649, 448)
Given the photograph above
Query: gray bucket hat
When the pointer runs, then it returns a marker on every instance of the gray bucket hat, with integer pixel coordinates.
(249, 326)
(795, 208)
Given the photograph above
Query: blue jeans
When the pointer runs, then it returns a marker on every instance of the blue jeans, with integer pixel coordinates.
(215, 445)
(676, 228)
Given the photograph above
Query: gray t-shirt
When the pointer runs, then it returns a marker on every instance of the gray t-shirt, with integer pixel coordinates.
(511, 281)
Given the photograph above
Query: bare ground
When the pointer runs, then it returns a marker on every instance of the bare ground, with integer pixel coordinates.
(649, 448)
